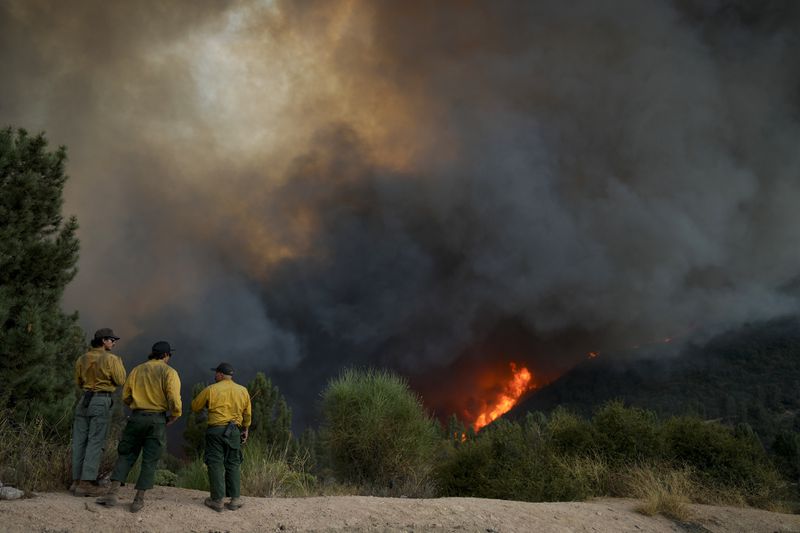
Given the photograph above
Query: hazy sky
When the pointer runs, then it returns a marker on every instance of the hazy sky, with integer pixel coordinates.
(438, 187)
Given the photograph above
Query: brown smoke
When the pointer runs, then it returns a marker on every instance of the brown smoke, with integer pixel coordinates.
(298, 186)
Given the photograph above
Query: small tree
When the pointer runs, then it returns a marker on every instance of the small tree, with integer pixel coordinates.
(194, 440)
(377, 431)
(272, 418)
(38, 254)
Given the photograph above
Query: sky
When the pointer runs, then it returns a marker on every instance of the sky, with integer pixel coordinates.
(440, 188)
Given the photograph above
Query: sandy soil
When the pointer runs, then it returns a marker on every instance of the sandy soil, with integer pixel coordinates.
(171, 509)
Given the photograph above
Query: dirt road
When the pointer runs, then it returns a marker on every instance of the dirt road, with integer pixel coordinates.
(171, 509)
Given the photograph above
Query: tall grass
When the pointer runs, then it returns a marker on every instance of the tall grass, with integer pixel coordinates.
(193, 476)
(274, 471)
(32, 455)
(267, 471)
(663, 490)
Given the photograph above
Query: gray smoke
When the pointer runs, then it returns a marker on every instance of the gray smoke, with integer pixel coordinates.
(438, 188)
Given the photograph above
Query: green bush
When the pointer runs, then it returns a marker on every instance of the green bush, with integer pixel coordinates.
(787, 454)
(721, 459)
(377, 432)
(570, 434)
(621, 452)
(463, 470)
(166, 478)
(625, 434)
(507, 461)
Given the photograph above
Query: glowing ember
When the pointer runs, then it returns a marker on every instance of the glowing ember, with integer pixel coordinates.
(521, 382)
(592, 355)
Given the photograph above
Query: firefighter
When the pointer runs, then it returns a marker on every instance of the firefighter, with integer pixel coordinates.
(153, 393)
(229, 415)
(98, 373)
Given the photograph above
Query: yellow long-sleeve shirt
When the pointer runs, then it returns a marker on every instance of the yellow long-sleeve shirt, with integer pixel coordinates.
(226, 401)
(153, 386)
(99, 370)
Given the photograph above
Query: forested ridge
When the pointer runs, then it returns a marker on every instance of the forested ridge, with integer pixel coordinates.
(748, 375)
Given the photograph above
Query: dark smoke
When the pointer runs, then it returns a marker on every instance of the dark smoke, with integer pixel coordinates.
(433, 187)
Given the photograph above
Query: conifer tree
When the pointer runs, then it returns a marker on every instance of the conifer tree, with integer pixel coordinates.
(272, 418)
(196, 423)
(38, 255)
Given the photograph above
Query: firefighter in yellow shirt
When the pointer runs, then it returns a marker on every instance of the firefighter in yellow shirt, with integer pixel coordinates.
(153, 393)
(229, 415)
(98, 373)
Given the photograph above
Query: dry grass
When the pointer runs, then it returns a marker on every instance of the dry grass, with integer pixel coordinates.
(592, 473)
(265, 473)
(32, 458)
(272, 472)
(662, 490)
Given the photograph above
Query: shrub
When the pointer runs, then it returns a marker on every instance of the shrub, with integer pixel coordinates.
(721, 460)
(463, 470)
(377, 432)
(570, 434)
(787, 454)
(508, 461)
(618, 454)
(166, 478)
(625, 434)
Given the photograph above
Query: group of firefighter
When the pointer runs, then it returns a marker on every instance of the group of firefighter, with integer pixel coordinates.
(152, 393)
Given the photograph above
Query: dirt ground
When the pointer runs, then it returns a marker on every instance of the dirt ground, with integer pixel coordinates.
(170, 509)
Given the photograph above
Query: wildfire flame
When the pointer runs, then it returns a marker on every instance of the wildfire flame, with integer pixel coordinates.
(520, 383)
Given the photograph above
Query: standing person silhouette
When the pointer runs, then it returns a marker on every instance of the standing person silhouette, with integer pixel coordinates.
(153, 393)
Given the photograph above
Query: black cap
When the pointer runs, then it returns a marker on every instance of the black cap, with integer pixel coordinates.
(105, 333)
(162, 347)
(225, 368)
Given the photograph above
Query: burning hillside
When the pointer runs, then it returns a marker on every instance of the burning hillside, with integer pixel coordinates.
(508, 394)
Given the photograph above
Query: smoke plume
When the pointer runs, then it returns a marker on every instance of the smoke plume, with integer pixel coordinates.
(436, 187)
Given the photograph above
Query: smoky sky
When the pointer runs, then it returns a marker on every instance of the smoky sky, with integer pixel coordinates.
(434, 187)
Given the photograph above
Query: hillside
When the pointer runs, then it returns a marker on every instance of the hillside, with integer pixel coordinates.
(748, 375)
(175, 510)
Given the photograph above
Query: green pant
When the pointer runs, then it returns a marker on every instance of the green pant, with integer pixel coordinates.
(145, 433)
(89, 433)
(223, 457)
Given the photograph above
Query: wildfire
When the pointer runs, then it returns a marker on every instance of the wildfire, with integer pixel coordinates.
(520, 383)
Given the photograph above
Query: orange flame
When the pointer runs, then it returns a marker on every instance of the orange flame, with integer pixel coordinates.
(521, 382)
(592, 355)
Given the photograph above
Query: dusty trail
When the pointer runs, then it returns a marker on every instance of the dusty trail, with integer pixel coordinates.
(172, 509)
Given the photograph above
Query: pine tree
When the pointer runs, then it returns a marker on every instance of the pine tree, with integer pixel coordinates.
(38, 256)
(456, 430)
(272, 418)
(194, 440)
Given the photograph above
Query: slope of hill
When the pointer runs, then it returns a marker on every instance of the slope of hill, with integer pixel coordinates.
(748, 375)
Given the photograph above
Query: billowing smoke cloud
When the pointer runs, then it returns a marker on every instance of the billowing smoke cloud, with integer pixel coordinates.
(439, 188)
